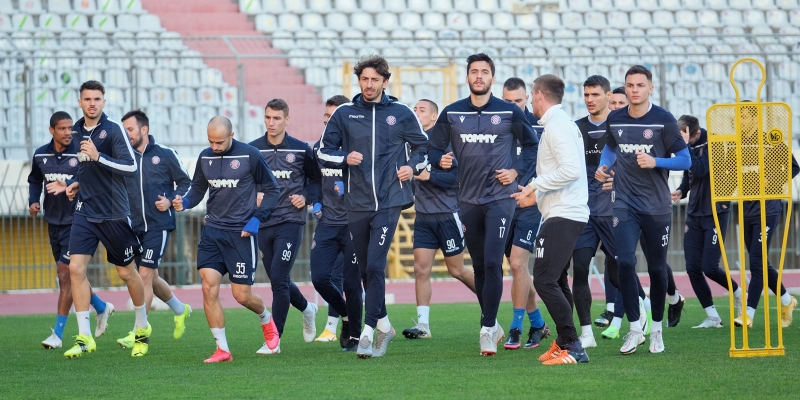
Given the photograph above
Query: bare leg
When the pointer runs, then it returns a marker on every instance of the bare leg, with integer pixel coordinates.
(64, 288)
(147, 281)
(81, 290)
(455, 266)
(423, 263)
(245, 296)
(522, 293)
(132, 279)
(161, 288)
(211, 305)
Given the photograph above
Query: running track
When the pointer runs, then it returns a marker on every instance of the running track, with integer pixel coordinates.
(402, 292)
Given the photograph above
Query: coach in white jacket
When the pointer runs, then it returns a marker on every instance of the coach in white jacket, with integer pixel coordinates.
(561, 189)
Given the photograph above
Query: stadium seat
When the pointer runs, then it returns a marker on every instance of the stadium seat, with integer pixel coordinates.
(420, 6)
(434, 21)
(184, 95)
(569, 20)
(148, 41)
(764, 4)
(579, 5)
(700, 107)
(776, 18)
(456, 20)
(289, 22)
(715, 71)
(313, 21)
(707, 18)
(320, 6)
(377, 38)
(305, 39)
(628, 54)
(602, 5)
(43, 78)
(635, 37)
(786, 4)
(641, 19)
(503, 20)
(98, 41)
(116, 77)
(251, 7)
(442, 6)
(128, 22)
(77, 23)
(84, 6)
(697, 53)
(299, 6)
(779, 88)
(118, 59)
(144, 78)
(691, 72)
(664, 19)
(361, 21)
(753, 18)
(163, 77)
(103, 23)
(731, 18)
(605, 55)
(61, 7)
(763, 35)
(5, 23)
(496, 38)
(160, 96)
(23, 22)
(648, 5)
(384, 20)
(23, 41)
(789, 70)
(740, 4)
(408, 20)
(625, 5)
(480, 20)
(618, 19)
(706, 36)
(272, 6)
(51, 22)
(708, 90)
(150, 22)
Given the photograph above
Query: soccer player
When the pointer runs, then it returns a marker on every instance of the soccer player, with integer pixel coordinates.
(437, 226)
(642, 136)
(57, 163)
(561, 190)
(160, 176)
(700, 240)
(520, 245)
(751, 178)
(596, 95)
(334, 268)
(483, 132)
(233, 172)
(102, 214)
(369, 137)
(280, 234)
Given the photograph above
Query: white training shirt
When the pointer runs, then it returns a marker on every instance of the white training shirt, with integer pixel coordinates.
(561, 186)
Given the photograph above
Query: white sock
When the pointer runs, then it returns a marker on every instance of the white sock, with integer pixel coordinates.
(141, 316)
(674, 299)
(219, 336)
(423, 314)
(384, 325)
(655, 327)
(264, 316)
(786, 299)
(647, 304)
(332, 323)
(84, 324)
(586, 330)
(610, 307)
(176, 305)
(711, 311)
(345, 319)
(134, 327)
(636, 326)
(751, 312)
(368, 331)
(738, 292)
(616, 322)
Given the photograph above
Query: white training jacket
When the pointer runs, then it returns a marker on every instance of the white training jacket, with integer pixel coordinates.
(560, 183)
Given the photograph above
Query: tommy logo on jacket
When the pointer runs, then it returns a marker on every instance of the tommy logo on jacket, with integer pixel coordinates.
(282, 174)
(633, 148)
(223, 183)
(331, 172)
(478, 138)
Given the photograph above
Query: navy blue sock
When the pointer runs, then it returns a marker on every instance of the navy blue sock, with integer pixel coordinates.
(61, 323)
(537, 322)
(516, 322)
(99, 305)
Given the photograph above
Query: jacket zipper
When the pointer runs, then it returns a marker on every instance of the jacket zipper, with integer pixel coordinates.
(141, 189)
(374, 192)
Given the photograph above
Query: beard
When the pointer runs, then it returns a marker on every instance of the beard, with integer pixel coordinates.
(486, 89)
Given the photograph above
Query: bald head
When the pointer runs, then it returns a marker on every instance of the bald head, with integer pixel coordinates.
(220, 134)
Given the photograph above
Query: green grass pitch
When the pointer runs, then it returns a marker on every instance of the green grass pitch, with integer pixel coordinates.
(695, 364)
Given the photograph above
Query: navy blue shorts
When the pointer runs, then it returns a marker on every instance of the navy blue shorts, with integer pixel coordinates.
(228, 253)
(59, 242)
(121, 243)
(439, 231)
(598, 229)
(153, 245)
(524, 229)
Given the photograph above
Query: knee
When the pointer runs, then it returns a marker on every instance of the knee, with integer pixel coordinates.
(64, 276)
(210, 290)
(421, 271)
(518, 267)
(241, 296)
(319, 280)
(147, 275)
(126, 273)
(626, 263)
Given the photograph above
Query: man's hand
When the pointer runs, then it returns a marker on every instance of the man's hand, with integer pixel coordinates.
(72, 190)
(88, 148)
(447, 161)
(676, 196)
(56, 188)
(34, 209)
(609, 183)
(298, 200)
(163, 203)
(354, 158)
(645, 160)
(259, 197)
(601, 175)
(424, 175)
(177, 204)
(526, 197)
(506, 176)
(685, 134)
(405, 173)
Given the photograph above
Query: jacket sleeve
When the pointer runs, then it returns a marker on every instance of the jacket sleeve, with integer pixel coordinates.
(699, 158)
(566, 154)
(121, 160)
(313, 177)
(178, 173)
(35, 183)
(332, 151)
(266, 183)
(199, 186)
(439, 137)
(526, 137)
(416, 137)
(684, 186)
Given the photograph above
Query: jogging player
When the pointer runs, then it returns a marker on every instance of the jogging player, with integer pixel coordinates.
(334, 268)
(642, 136)
(369, 136)
(520, 244)
(281, 233)
(55, 164)
(160, 176)
(483, 132)
(561, 190)
(436, 226)
(102, 214)
(233, 172)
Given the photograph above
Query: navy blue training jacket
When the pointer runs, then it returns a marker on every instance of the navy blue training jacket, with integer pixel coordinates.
(379, 131)
(159, 171)
(49, 166)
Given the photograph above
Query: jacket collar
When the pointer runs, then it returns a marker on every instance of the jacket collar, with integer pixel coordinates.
(103, 118)
(282, 145)
(488, 104)
(385, 100)
(73, 147)
(549, 114)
